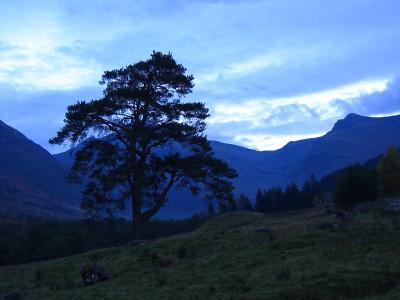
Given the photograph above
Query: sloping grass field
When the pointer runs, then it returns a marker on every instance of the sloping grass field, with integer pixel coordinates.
(235, 257)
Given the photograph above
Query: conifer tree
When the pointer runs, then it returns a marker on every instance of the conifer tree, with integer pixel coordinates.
(139, 140)
(388, 171)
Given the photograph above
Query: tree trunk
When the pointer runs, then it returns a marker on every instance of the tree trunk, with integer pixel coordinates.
(137, 218)
(137, 227)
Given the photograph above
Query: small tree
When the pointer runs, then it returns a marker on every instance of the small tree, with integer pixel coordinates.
(311, 193)
(354, 185)
(261, 204)
(144, 141)
(292, 197)
(388, 171)
(245, 203)
(270, 201)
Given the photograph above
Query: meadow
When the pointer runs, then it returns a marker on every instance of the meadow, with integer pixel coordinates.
(236, 255)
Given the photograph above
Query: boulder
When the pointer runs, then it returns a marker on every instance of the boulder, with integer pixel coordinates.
(93, 273)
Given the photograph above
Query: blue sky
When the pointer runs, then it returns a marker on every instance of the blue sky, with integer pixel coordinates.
(270, 71)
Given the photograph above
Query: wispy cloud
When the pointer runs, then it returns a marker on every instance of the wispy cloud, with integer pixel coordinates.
(266, 124)
(243, 68)
(31, 67)
(255, 110)
(269, 71)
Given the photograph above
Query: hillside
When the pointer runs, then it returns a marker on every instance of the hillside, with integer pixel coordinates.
(228, 259)
(353, 139)
(32, 183)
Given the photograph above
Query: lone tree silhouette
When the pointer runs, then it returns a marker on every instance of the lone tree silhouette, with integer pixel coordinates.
(139, 140)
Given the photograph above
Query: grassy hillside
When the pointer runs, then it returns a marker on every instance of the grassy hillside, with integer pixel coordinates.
(228, 258)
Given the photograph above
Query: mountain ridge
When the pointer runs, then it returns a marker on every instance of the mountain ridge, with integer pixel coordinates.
(32, 181)
(352, 139)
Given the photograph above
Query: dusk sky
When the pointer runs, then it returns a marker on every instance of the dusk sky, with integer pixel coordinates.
(270, 71)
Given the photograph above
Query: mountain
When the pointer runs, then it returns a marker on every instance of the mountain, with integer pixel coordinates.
(354, 139)
(32, 182)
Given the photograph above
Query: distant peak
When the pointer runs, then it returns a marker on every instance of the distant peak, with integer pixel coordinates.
(354, 116)
(350, 120)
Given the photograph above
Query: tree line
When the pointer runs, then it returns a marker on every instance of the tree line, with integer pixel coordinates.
(32, 240)
(275, 199)
(363, 183)
(346, 188)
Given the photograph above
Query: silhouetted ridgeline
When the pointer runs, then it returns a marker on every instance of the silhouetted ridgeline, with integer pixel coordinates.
(355, 139)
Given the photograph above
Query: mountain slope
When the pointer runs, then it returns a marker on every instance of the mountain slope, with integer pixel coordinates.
(32, 182)
(232, 258)
(353, 139)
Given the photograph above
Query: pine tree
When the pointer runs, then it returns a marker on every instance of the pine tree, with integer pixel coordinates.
(139, 140)
(388, 171)
(311, 193)
(292, 197)
(354, 185)
(260, 205)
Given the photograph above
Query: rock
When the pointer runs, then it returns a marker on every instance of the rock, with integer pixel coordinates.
(15, 295)
(92, 273)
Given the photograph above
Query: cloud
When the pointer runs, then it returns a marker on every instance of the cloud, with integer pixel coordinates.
(268, 70)
(297, 106)
(243, 68)
(267, 124)
(271, 142)
(379, 103)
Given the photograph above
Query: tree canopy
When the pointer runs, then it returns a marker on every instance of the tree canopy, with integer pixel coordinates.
(388, 171)
(139, 140)
(354, 185)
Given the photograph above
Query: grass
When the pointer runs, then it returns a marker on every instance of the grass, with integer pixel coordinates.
(228, 259)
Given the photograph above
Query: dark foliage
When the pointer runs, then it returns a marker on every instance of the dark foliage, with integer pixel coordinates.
(354, 185)
(275, 200)
(42, 240)
(328, 182)
(388, 172)
(245, 203)
(229, 204)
